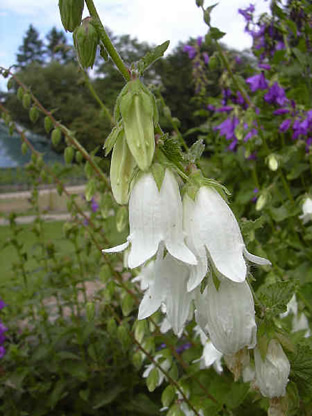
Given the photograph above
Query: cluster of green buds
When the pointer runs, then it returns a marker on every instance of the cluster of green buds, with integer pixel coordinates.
(133, 139)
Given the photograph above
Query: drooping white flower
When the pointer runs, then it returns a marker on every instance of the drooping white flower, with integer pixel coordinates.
(168, 287)
(165, 365)
(211, 357)
(155, 216)
(210, 225)
(227, 315)
(272, 372)
(299, 321)
(306, 211)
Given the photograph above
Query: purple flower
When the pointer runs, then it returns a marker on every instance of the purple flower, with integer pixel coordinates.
(2, 328)
(2, 351)
(255, 191)
(238, 60)
(265, 66)
(252, 133)
(211, 107)
(227, 128)
(247, 13)
(190, 50)
(284, 126)
(94, 205)
(276, 95)
(281, 111)
(233, 145)
(226, 95)
(206, 58)
(183, 347)
(2, 304)
(257, 82)
(199, 41)
(252, 156)
(280, 45)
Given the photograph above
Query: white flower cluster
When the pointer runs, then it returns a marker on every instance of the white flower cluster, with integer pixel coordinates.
(179, 243)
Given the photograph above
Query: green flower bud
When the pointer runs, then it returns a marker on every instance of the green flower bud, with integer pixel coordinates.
(78, 157)
(33, 114)
(138, 111)
(56, 136)
(71, 13)
(86, 40)
(47, 124)
(69, 154)
(26, 100)
(20, 93)
(273, 162)
(121, 170)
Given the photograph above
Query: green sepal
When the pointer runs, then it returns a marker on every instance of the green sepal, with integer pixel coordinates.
(151, 57)
(121, 170)
(121, 218)
(158, 172)
(112, 138)
(195, 152)
(137, 108)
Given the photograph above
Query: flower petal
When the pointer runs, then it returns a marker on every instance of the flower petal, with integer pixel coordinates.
(256, 259)
(116, 249)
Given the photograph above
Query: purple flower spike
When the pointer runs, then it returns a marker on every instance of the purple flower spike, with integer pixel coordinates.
(2, 304)
(206, 58)
(284, 126)
(276, 95)
(233, 145)
(199, 41)
(252, 156)
(257, 82)
(190, 50)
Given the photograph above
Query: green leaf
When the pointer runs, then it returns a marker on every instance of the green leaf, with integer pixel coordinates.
(172, 150)
(151, 57)
(127, 304)
(207, 13)
(301, 366)
(90, 189)
(276, 296)
(152, 379)
(167, 396)
(108, 396)
(216, 34)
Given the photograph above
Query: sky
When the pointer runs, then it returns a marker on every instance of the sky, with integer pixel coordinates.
(147, 20)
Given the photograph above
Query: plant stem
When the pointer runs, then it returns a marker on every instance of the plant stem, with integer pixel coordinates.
(107, 42)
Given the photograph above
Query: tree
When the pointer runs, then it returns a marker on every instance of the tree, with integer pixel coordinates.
(57, 48)
(32, 49)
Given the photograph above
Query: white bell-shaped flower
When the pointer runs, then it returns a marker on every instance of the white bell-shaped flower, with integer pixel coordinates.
(272, 372)
(210, 225)
(306, 211)
(155, 216)
(168, 288)
(227, 315)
